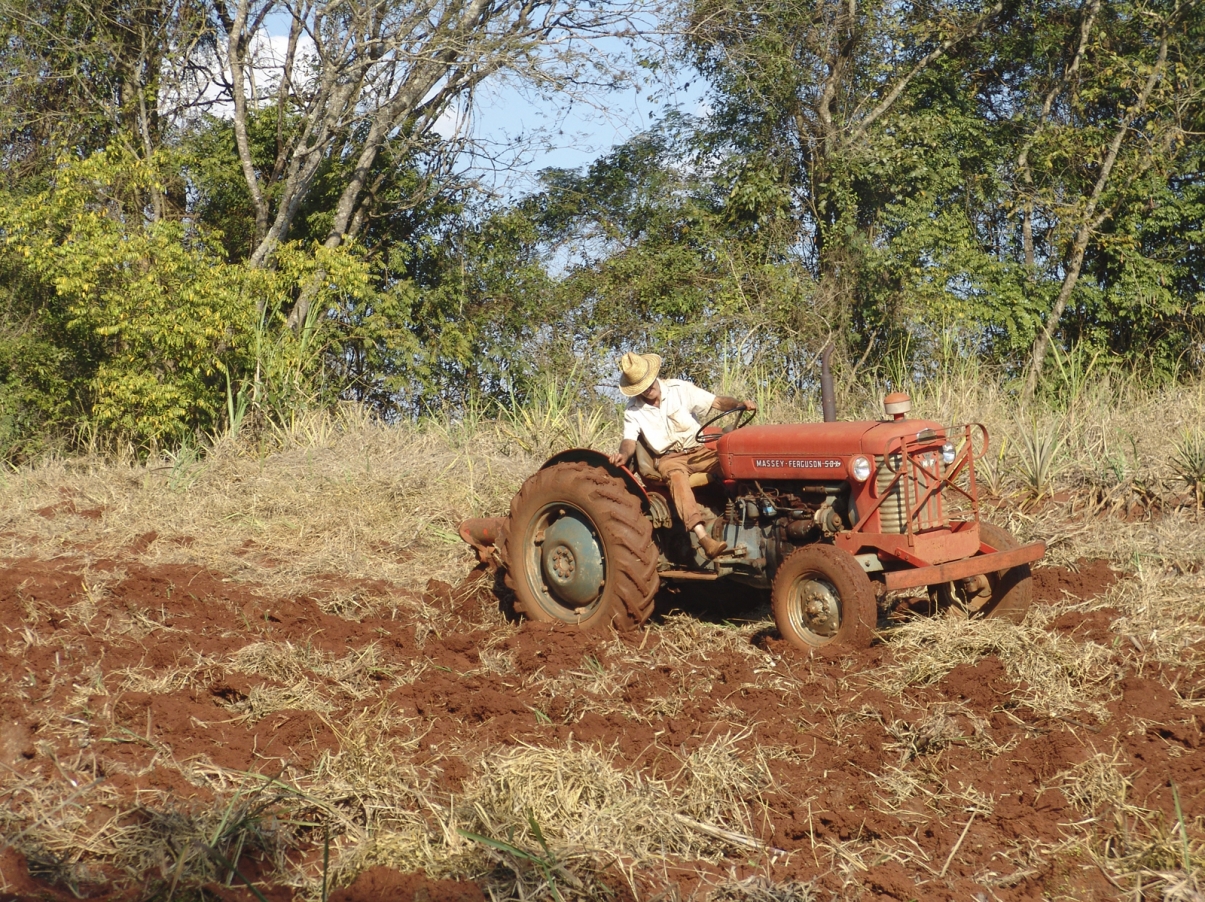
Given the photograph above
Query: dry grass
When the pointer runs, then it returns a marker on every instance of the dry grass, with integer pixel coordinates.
(1141, 848)
(349, 497)
(1061, 675)
(72, 830)
(552, 816)
(937, 728)
(761, 889)
(1160, 613)
(1095, 785)
(362, 501)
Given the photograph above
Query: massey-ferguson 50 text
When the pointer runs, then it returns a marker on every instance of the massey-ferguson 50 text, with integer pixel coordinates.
(830, 516)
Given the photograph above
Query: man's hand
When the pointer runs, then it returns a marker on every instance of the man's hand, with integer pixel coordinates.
(750, 406)
(621, 457)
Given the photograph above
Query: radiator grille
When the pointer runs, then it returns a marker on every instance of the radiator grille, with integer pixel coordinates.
(893, 512)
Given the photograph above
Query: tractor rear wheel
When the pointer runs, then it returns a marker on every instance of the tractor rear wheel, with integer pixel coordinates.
(822, 597)
(578, 549)
(1006, 593)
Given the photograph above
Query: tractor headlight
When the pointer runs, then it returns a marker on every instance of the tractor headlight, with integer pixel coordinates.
(859, 469)
(948, 453)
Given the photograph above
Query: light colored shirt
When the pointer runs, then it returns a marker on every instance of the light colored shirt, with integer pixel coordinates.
(672, 426)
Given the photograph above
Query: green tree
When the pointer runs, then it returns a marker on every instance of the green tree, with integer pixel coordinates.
(983, 168)
(1120, 82)
(642, 251)
(160, 321)
(159, 330)
(810, 102)
(380, 77)
(83, 77)
(41, 365)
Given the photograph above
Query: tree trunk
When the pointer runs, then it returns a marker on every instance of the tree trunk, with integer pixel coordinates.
(236, 60)
(1092, 220)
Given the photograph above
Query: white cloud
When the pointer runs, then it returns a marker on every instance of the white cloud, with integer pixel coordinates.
(203, 88)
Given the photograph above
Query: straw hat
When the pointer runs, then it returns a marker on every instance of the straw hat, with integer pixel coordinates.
(639, 371)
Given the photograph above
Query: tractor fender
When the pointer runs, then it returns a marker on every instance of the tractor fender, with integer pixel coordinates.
(598, 459)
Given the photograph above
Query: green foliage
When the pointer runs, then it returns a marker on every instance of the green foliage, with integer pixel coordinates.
(1041, 456)
(473, 315)
(168, 339)
(73, 78)
(158, 311)
(37, 368)
(799, 152)
(209, 162)
(905, 179)
(651, 259)
(33, 392)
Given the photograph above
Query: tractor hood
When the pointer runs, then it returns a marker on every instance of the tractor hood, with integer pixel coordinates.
(810, 450)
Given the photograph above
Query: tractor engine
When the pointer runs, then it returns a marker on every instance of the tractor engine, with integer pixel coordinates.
(764, 523)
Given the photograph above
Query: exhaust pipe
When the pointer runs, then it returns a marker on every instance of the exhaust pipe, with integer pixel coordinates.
(828, 398)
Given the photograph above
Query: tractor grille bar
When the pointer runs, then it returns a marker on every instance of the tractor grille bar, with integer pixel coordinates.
(911, 480)
(922, 471)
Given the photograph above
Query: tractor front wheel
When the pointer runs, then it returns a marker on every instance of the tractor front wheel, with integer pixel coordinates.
(1006, 593)
(822, 597)
(579, 550)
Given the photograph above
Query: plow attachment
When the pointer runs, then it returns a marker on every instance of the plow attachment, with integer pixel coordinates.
(483, 534)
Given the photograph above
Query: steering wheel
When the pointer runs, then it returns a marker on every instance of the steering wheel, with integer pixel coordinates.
(742, 420)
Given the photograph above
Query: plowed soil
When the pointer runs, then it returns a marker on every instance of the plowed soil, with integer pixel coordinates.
(87, 696)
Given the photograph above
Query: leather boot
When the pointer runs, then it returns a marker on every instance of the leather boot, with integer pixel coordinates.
(713, 548)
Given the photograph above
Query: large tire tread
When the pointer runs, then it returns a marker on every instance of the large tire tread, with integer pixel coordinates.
(627, 534)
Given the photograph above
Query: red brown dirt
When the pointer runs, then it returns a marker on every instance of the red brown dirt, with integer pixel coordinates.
(382, 884)
(1083, 582)
(154, 619)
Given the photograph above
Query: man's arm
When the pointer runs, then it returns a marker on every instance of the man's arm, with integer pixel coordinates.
(626, 449)
(723, 402)
(704, 404)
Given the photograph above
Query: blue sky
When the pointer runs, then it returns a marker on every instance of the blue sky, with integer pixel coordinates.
(567, 135)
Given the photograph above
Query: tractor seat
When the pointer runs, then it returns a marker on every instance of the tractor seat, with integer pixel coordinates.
(647, 468)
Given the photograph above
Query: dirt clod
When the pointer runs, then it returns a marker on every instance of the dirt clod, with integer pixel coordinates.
(1087, 580)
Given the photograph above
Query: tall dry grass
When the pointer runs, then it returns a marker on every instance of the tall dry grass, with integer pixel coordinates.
(339, 493)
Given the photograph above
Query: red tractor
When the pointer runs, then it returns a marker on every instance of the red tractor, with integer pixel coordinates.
(829, 516)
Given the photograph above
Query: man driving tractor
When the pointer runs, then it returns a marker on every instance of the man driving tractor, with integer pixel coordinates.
(665, 413)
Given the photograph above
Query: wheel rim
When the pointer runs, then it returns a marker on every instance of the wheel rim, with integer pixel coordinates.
(566, 561)
(815, 609)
